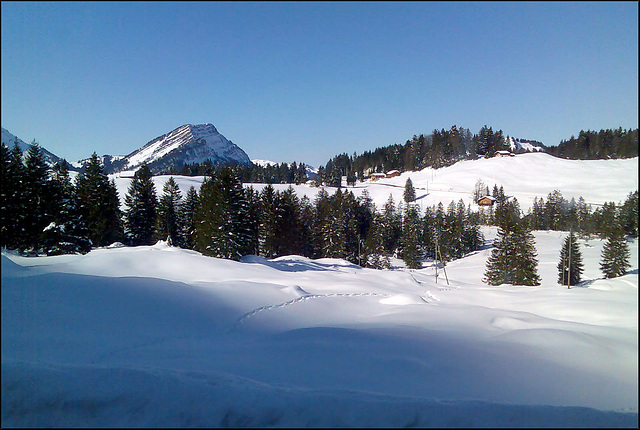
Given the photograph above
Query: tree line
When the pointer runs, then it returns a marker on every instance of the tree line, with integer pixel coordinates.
(591, 145)
(278, 173)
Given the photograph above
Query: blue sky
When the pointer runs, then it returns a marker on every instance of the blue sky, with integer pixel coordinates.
(303, 81)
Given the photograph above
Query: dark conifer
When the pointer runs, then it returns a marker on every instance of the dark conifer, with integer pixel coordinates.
(409, 192)
(13, 198)
(615, 255)
(188, 211)
(140, 215)
(99, 204)
(168, 227)
(412, 252)
(37, 195)
(513, 258)
(374, 255)
(222, 224)
(570, 265)
(67, 233)
(269, 222)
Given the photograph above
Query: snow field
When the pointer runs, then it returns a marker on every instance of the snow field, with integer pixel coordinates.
(159, 336)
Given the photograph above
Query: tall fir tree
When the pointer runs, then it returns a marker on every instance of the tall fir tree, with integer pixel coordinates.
(629, 215)
(391, 226)
(67, 233)
(140, 214)
(513, 259)
(374, 255)
(307, 217)
(187, 218)
(570, 266)
(168, 227)
(412, 252)
(409, 192)
(222, 225)
(37, 195)
(290, 228)
(13, 198)
(99, 204)
(614, 259)
(269, 222)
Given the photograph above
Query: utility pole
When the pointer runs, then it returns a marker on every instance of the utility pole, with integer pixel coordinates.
(437, 252)
(436, 255)
(569, 267)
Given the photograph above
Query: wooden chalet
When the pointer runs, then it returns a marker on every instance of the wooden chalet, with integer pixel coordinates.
(486, 201)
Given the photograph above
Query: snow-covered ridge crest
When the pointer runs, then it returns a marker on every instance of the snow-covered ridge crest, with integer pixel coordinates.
(189, 143)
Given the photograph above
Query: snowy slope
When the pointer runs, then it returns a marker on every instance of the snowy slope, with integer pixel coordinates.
(158, 336)
(521, 145)
(524, 176)
(264, 163)
(186, 144)
(8, 139)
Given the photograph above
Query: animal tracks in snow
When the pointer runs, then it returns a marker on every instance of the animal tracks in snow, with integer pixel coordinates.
(392, 299)
(301, 299)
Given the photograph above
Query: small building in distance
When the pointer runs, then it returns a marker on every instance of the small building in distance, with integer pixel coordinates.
(392, 174)
(503, 154)
(486, 201)
(376, 176)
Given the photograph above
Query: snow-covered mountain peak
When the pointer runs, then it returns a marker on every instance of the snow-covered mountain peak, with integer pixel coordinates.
(187, 144)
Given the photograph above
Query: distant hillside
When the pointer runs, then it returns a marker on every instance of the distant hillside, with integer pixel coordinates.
(444, 148)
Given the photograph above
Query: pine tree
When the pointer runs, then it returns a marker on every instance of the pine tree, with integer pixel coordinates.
(570, 265)
(67, 233)
(412, 253)
(187, 217)
(307, 217)
(252, 198)
(333, 229)
(269, 222)
(289, 228)
(99, 204)
(629, 214)
(513, 258)
(615, 255)
(13, 198)
(168, 227)
(37, 194)
(222, 225)
(374, 255)
(392, 226)
(140, 215)
(409, 192)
